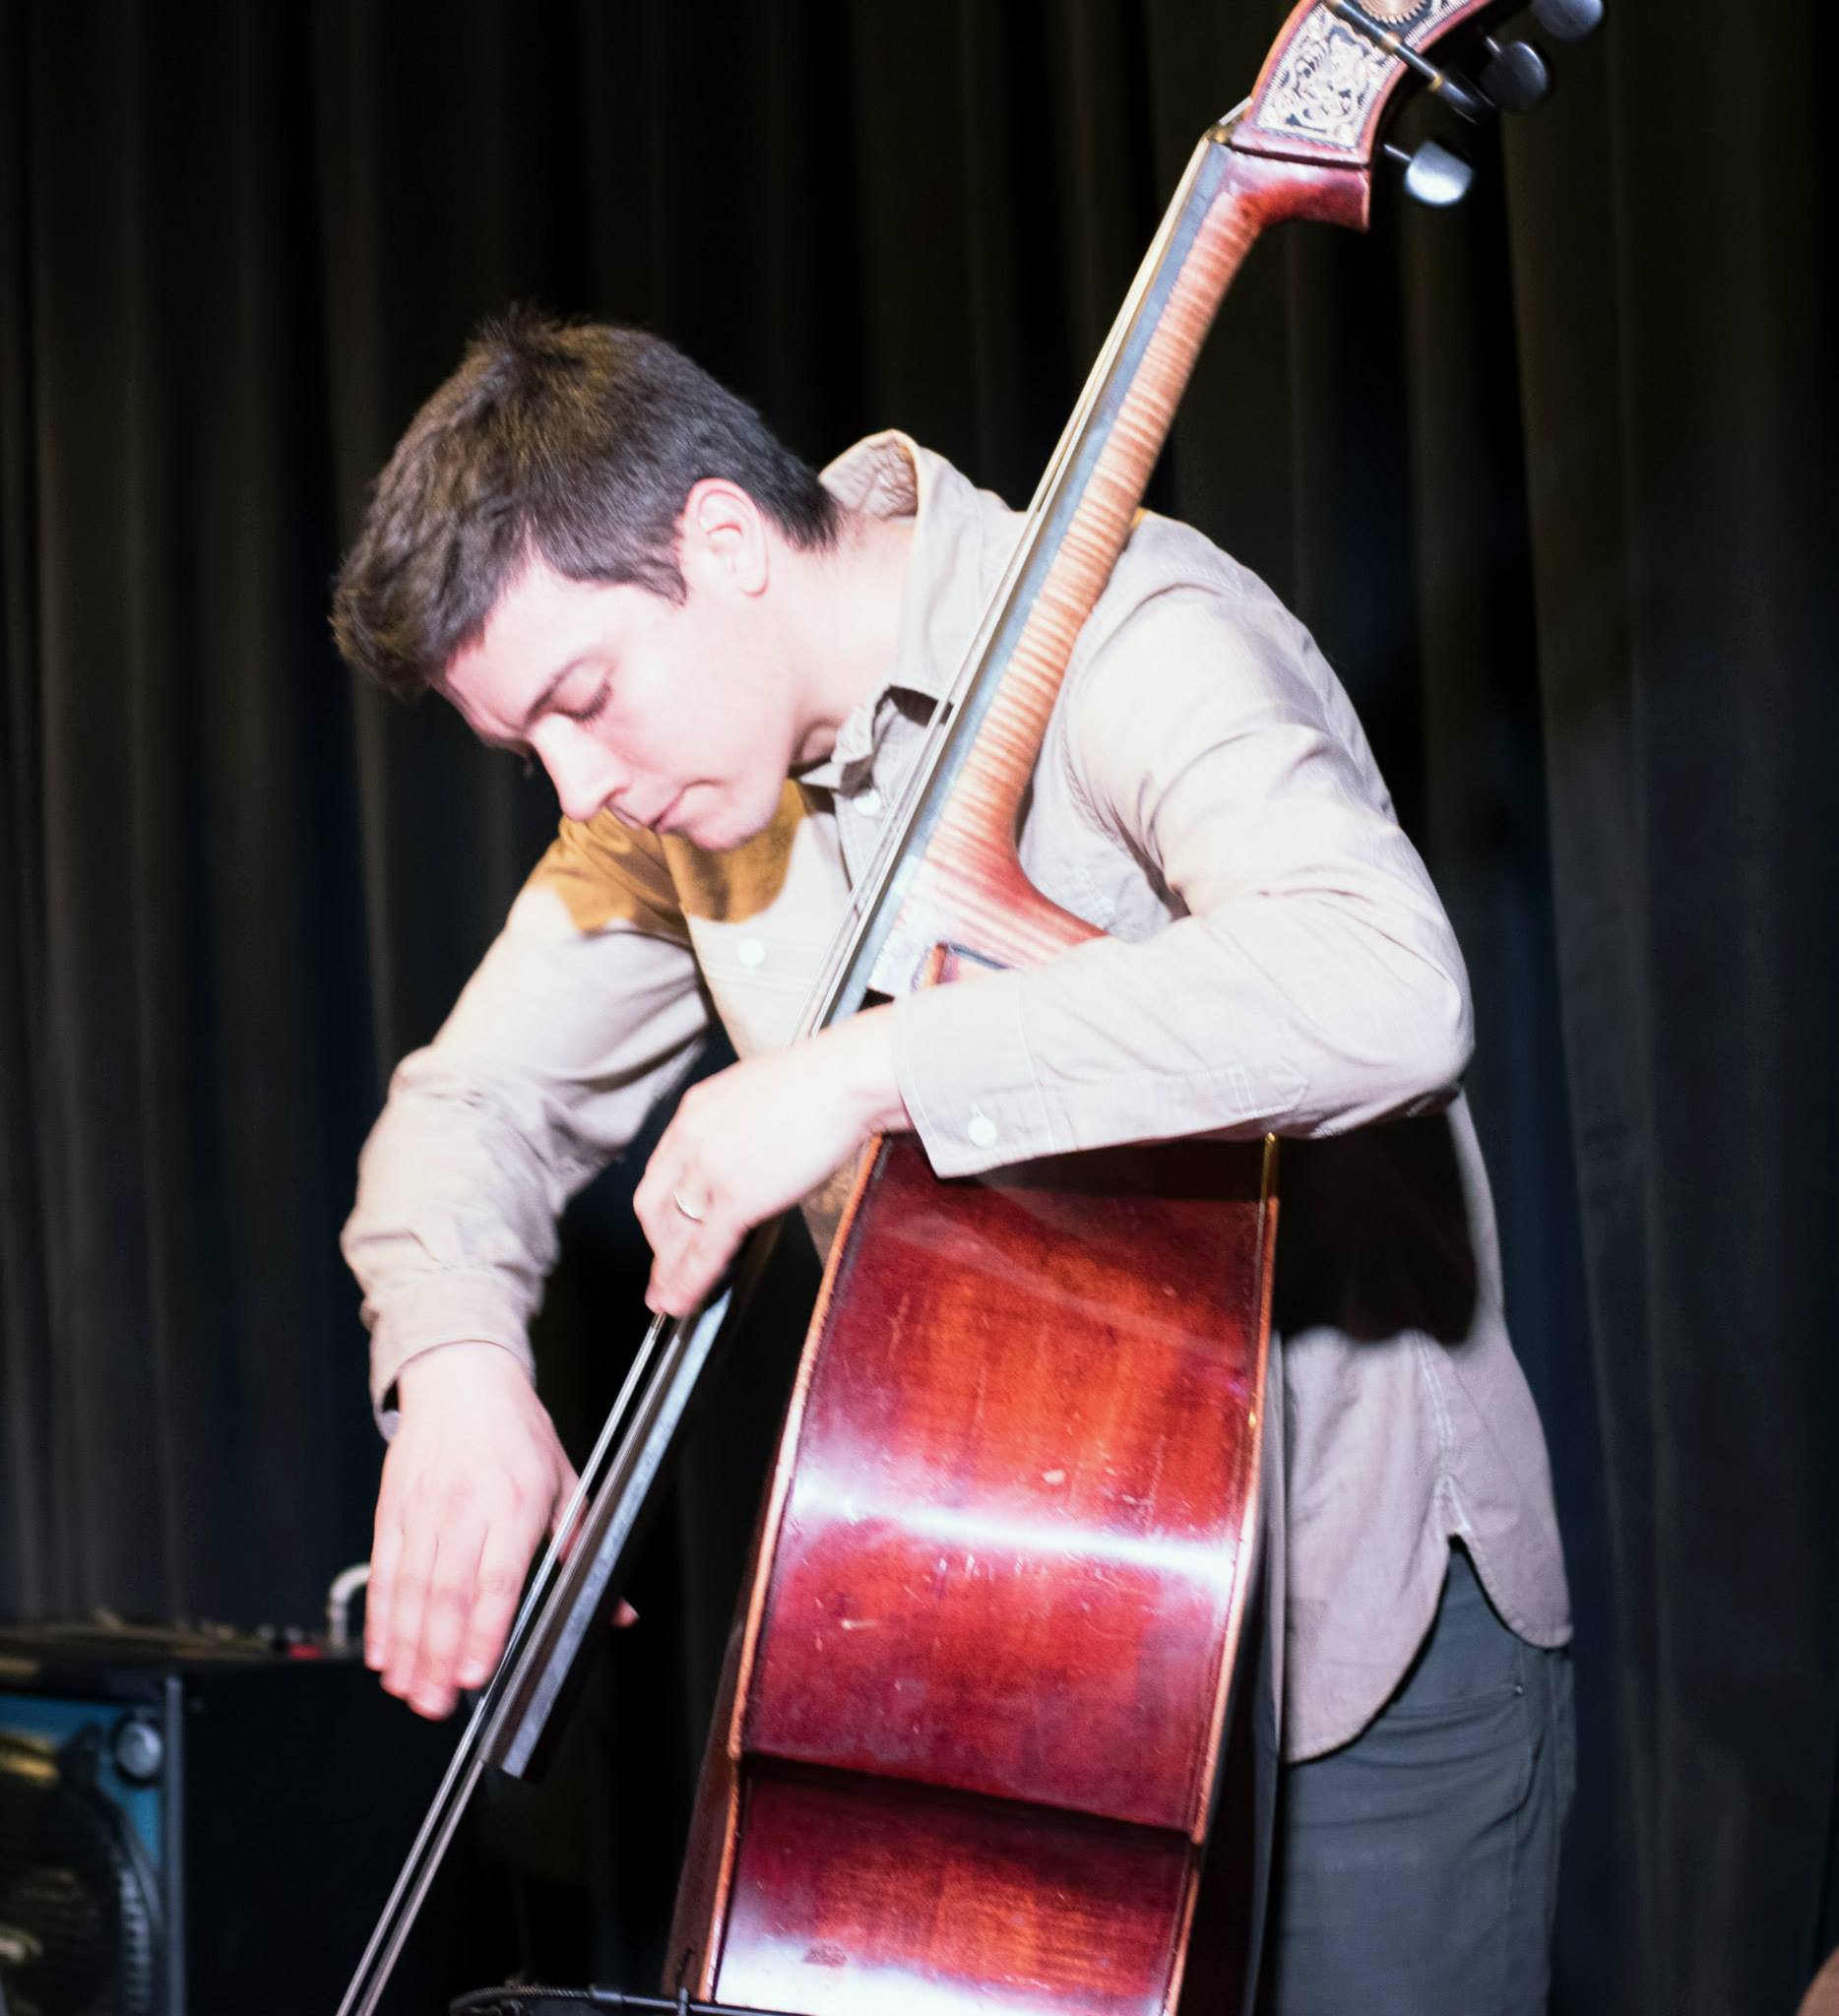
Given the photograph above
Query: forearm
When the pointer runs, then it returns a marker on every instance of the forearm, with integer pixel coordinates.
(453, 1231)
(1292, 969)
(557, 1052)
(1297, 1016)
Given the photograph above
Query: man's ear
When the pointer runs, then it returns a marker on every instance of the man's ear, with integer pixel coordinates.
(722, 537)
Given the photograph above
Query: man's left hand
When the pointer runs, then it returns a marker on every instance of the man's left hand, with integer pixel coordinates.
(749, 1142)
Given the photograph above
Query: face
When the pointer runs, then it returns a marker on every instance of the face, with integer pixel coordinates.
(677, 717)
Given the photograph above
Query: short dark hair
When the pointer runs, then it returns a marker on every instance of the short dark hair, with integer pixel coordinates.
(575, 441)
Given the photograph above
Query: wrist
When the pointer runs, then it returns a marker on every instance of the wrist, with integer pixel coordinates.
(873, 1084)
(467, 1361)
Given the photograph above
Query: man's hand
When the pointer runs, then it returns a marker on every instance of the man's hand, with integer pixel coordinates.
(749, 1142)
(471, 1482)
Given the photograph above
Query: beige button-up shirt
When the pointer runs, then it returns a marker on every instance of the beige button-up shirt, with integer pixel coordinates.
(1277, 960)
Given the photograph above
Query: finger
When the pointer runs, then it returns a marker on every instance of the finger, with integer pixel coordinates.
(668, 1226)
(662, 1290)
(386, 1551)
(681, 1166)
(664, 1173)
(444, 1614)
(497, 1585)
(624, 1614)
(404, 1640)
(678, 1240)
(680, 1282)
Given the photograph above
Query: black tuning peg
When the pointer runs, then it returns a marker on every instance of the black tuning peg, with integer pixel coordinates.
(1452, 91)
(1434, 174)
(1515, 77)
(1566, 21)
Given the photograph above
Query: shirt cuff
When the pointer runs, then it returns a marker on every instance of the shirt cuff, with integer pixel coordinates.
(448, 1308)
(968, 1078)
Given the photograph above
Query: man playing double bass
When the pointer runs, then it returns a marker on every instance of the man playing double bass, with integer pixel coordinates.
(725, 663)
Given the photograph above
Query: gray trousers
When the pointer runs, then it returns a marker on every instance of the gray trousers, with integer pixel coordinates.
(1415, 1868)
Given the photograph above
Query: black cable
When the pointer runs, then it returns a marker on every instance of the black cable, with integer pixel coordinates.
(507, 2001)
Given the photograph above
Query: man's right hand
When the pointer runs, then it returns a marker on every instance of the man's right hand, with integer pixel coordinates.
(473, 1480)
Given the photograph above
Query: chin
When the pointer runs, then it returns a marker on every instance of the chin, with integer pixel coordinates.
(725, 826)
(716, 836)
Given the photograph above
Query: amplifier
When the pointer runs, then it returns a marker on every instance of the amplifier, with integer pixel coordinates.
(195, 1823)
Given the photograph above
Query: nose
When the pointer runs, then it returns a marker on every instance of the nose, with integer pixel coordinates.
(585, 774)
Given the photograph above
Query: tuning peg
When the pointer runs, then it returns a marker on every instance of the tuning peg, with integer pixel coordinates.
(1566, 21)
(1436, 175)
(1459, 95)
(1515, 77)
(1450, 89)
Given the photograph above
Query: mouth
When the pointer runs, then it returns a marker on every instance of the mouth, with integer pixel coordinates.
(649, 822)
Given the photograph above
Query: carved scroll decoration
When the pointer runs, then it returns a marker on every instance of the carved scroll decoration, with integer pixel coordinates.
(1326, 84)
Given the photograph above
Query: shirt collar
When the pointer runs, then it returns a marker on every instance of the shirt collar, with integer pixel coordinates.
(962, 538)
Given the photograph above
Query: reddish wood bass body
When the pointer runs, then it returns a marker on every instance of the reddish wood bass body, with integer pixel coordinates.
(973, 1727)
(985, 1668)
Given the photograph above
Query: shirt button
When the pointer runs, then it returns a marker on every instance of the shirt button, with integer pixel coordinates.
(982, 1130)
(868, 802)
(752, 952)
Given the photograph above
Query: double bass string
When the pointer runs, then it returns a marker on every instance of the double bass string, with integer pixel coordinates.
(872, 913)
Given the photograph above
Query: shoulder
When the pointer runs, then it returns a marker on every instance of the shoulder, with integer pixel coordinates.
(1185, 642)
(1181, 613)
(1192, 674)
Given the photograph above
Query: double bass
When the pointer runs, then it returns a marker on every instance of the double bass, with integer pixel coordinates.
(968, 1744)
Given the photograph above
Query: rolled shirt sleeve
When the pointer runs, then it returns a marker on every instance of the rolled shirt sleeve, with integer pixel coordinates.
(586, 1010)
(1309, 981)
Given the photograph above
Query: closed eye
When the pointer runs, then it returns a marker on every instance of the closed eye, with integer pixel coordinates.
(594, 706)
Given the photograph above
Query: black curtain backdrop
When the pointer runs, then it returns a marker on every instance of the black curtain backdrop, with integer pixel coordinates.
(1547, 477)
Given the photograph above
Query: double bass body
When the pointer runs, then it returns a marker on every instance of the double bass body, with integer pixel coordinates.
(969, 1747)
